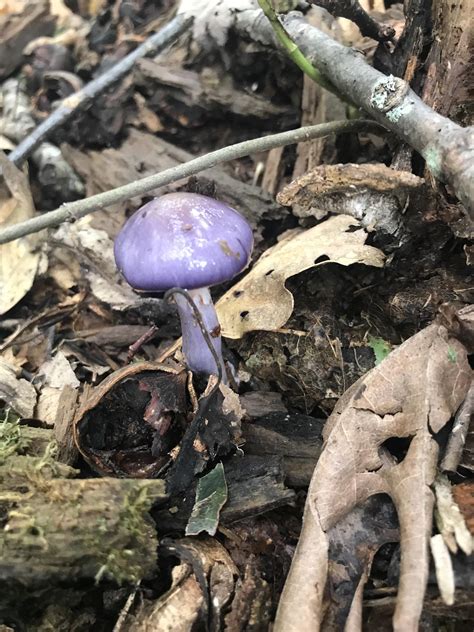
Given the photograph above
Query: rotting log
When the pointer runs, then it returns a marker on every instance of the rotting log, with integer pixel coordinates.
(57, 529)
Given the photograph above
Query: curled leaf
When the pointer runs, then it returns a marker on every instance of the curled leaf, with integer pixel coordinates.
(261, 301)
(18, 259)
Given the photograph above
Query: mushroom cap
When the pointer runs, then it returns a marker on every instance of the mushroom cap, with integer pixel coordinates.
(182, 240)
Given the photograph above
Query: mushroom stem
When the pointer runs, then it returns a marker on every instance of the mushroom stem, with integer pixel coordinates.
(195, 349)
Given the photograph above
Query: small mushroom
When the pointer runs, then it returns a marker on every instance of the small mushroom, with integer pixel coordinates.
(192, 242)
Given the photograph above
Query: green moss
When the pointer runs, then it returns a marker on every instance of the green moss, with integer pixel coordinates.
(124, 565)
(11, 439)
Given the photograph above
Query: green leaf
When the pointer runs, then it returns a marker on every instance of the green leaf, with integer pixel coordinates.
(380, 347)
(211, 496)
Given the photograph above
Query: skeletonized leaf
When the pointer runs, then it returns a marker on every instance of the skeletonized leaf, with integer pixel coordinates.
(412, 394)
(261, 301)
(18, 260)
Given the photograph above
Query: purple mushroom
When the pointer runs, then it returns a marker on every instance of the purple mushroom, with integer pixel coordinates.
(191, 242)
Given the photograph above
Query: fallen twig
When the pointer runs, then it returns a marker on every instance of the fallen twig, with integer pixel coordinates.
(352, 10)
(447, 148)
(72, 104)
(74, 210)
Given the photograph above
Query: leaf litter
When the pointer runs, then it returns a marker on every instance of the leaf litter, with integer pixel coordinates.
(19, 260)
(316, 312)
(387, 403)
(261, 301)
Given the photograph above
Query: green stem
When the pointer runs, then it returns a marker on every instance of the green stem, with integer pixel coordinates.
(293, 51)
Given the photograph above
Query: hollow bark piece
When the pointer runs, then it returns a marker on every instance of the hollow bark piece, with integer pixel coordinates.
(56, 529)
(119, 421)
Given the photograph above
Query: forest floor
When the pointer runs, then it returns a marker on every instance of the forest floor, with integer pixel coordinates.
(137, 496)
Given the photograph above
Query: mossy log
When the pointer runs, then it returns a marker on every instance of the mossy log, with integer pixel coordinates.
(57, 529)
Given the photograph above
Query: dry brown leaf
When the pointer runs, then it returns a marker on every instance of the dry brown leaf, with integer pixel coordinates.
(413, 393)
(208, 568)
(58, 373)
(16, 393)
(56, 376)
(18, 260)
(94, 248)
(261, 301)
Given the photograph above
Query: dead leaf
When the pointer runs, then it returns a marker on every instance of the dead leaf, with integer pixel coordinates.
(16, 393)
(58, 373)
(261, 301)
(202, 586)
(18, 260)
(94, 250)
(412, 394)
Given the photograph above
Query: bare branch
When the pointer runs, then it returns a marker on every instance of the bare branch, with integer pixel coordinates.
(352, 10)
(153, 45)
(447, 148)
(74, 210)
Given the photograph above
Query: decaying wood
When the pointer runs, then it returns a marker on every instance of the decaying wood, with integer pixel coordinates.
(18, 29)
(448, 84)
(57, 528)
(374, 194)
(297, 438)
(255, 485)
(273, 169)
(446, 147)
(63, 426)
(204, 93)
(318, 105)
